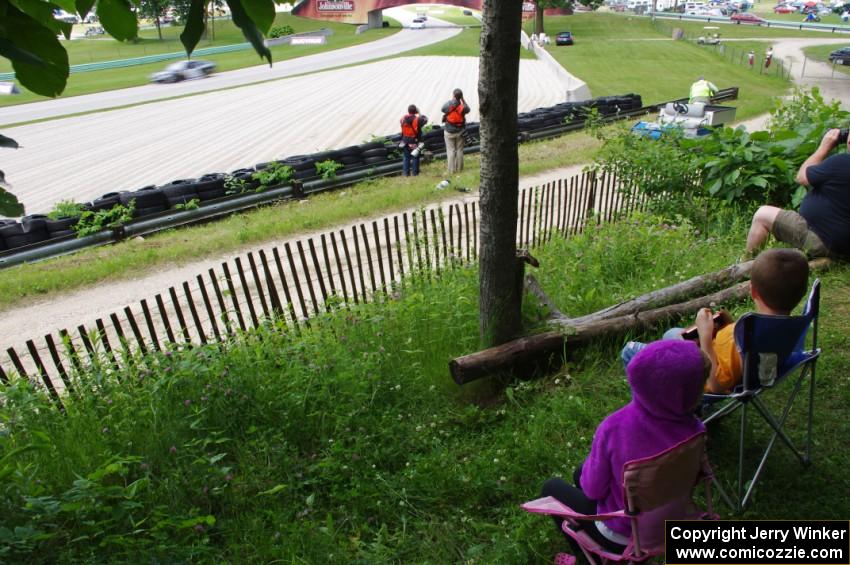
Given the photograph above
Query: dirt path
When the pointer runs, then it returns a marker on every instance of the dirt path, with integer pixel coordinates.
(84, 306)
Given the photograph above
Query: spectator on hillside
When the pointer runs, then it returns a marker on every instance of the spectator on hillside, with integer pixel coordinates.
(702, 91)
(666, 379)
(768, 57)
(778, 280)
(411, 136)
(822, 228)
(454, 122)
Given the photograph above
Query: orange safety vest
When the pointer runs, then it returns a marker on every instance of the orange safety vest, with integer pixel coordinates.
(455, 115)
(410, 128)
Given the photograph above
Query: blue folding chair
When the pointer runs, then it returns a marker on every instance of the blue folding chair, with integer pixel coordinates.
(772, 350)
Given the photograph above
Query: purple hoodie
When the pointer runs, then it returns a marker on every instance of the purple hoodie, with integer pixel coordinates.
(666, 379)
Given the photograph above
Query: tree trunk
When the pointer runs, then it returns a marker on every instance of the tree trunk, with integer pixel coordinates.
(158, 28)
(538, 18)
(531, 348)
(501, 297)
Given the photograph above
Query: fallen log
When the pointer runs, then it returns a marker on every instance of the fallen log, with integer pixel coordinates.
(531, 348)
(611, 321)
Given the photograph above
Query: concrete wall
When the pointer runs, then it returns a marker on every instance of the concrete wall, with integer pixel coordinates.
(575, 89)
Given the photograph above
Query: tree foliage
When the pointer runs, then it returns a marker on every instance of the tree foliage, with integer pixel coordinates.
(730, 165)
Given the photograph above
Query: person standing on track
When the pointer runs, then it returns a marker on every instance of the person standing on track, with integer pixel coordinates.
(411, 136)
(454, 122)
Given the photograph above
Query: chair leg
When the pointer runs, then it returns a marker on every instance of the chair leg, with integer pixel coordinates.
(808, 457)
(738, 506)
(726, 409)
(778, 425)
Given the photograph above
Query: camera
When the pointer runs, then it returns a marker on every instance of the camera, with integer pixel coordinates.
(842, 135)
(419, 149)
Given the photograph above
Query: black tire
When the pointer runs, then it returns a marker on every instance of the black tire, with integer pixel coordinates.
(105, 202)
(321, 156)
(302, 164)
(149, 211)
(26, 239)
(211, 186)
(61, 233)
(351, 159)
(145, 197)
(351, 150)
(374, 160)
(379, 152)
(60, 225)
(180, 191)
(371, 145)
(305, 174)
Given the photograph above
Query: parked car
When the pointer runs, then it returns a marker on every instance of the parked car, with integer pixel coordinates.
(564, 38)
(840, 56)
(746, 18)
(784, 9)
(184, 70)
(418, 23)
(467, 12)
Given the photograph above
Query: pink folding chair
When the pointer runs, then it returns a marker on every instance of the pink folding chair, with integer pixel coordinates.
(655, 489)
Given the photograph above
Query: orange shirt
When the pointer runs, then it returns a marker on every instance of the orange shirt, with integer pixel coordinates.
(729, 370)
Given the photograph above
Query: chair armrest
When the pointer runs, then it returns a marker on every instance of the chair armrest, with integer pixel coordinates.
(553, 507)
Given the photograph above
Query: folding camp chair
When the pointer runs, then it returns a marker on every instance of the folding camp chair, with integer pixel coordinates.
(772, 350)
(655, 489)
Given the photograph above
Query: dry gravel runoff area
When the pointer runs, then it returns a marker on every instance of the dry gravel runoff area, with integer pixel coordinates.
(359, 98)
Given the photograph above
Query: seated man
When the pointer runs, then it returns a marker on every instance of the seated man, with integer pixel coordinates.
(822, 228)
(778, 280)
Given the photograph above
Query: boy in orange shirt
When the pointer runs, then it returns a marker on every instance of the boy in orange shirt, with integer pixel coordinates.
(778, 281)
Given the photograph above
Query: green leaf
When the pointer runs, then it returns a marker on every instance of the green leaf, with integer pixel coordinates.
(67, 5)
(8, 142)
(84, 7)
(194, 26)
(14, 53)
(715, 186)
(274, 490)
(760, 182)
(117, 19)
(26, 34)
(249, 29)
(42, 12)
(261, 12)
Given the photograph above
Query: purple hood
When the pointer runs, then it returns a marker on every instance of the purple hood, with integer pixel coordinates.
(666, 378)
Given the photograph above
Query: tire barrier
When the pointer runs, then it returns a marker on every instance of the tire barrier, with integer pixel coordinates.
(379, 156)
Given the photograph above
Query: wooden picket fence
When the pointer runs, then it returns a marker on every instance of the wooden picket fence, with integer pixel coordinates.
(304, 278)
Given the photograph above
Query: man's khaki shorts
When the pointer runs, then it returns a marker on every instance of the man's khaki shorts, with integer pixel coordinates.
(793, 229)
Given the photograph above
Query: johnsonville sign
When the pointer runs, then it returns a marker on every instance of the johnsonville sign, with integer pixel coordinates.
(357, 11)
(335, 6)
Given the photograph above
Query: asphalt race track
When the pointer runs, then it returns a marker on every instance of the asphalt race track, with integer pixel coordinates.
(83, 157)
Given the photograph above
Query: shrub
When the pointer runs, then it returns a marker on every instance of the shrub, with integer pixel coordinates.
(280, 31)
(274, 174)
(327, 169)
(94, 222)
(65, 209)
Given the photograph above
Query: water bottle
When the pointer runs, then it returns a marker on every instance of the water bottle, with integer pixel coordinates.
(443, 185)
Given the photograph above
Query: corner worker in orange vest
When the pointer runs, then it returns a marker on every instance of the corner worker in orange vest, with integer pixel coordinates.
(454, 122)
(411, 136)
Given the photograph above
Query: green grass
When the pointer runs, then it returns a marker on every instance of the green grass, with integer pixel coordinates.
(821, 53)
(614, 58)
(452, 14)
(464, 44)
(132, 258)
(89, 50)
(347, 442)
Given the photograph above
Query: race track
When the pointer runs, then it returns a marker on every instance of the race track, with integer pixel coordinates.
(81, 158)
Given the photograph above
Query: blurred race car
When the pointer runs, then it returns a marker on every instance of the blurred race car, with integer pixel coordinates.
(183, 70)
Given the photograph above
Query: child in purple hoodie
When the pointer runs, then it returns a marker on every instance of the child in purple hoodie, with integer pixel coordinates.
(666, 378)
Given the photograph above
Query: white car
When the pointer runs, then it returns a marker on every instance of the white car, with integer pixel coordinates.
(184, 70)
(418, 23)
